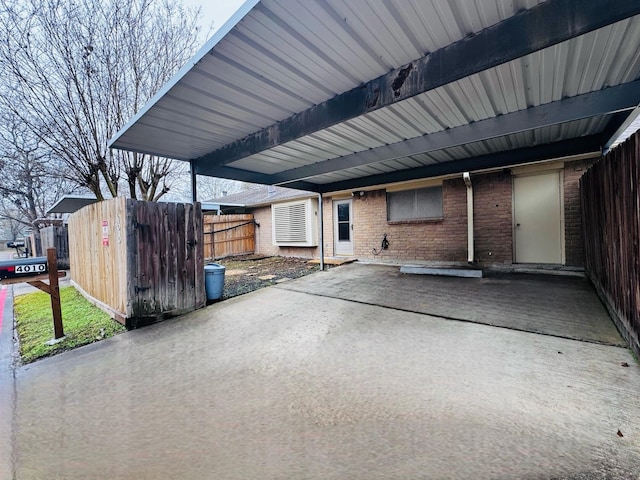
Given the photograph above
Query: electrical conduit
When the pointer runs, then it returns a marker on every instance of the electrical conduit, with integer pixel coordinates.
(466, 176)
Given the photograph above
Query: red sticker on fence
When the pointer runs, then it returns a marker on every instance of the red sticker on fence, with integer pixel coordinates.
(105, 233)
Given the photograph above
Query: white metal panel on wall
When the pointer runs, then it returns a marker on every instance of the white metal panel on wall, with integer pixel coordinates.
(294, 224)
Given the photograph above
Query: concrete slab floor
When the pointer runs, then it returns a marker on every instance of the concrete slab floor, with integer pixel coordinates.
(283, 384)
(562, 306)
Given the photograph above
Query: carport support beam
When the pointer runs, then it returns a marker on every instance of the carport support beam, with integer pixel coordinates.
(192, 171)
(321, 233)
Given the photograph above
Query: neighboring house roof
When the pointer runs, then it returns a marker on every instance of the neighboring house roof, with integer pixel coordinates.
(261, 195)
(71, 203)
(328, 96)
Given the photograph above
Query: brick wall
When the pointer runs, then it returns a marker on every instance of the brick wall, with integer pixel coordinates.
(262, 216)
(492, 228)
(438, 240)
(574, 245)
(327, 210)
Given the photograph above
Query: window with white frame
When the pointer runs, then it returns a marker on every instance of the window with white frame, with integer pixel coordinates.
(295, 223)
(415, 204)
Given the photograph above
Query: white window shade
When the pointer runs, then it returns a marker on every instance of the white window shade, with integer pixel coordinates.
(415, 204)
(295, 224)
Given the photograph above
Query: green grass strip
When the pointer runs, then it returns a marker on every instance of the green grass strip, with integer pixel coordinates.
(83, 323)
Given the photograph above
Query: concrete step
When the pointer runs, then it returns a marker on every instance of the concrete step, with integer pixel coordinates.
(446, 271)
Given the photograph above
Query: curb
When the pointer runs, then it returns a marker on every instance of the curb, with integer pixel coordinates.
(7, 383)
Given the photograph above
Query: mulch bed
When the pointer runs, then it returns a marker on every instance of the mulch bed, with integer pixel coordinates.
(248, 273)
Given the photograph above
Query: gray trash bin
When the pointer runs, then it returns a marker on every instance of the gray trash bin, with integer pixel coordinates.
(214, 280)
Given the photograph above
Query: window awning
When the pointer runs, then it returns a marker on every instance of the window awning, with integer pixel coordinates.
(328, 95)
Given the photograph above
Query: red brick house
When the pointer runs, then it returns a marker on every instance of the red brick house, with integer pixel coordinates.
(417, 234)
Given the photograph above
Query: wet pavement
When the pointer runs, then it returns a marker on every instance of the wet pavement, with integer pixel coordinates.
(7, 384)
(563, 306)
(285, 383)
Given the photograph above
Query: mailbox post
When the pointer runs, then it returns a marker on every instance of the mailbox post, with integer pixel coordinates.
(10, 273)
(54, 293)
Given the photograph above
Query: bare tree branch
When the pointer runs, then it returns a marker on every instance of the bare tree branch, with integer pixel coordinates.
(73, 71)
(29, 179)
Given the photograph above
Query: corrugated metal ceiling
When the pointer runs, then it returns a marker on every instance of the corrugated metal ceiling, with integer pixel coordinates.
(286, 56)
(536, 79)
(476, 149)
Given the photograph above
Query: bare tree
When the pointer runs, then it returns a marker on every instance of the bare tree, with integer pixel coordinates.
(29, 180)
(11, 229)
(74, 71)
(208, 188)
(211, 187)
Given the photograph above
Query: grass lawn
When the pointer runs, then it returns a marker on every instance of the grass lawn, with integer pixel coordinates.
(83, 323)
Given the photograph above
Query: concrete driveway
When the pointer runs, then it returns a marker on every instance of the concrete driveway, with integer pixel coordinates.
(293, 383)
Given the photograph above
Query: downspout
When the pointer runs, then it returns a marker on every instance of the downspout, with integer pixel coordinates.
(321, 232)
(194, 192)
(466, 176)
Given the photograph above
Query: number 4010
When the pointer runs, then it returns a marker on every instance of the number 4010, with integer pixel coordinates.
(30, 268)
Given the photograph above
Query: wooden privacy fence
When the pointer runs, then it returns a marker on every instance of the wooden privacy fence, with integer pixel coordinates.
(228, 235)
(56, 237)
(140, 261)
(611, 227)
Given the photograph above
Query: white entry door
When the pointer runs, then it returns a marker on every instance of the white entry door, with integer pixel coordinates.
(342, 227)
(537, 215)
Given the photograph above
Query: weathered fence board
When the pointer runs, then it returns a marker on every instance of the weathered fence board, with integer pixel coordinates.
(228, 235)
(142, 261)
(56, 237)
(611, 223)
(101, 270)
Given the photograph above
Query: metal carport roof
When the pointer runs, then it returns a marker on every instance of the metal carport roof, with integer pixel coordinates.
(327, 95)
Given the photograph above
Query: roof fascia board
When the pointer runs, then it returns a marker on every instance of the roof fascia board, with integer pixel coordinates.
(266, 203)
(602, 102)
(617, 126)
(219, 34)
(545, 25)
(509, 158)
(224, 204)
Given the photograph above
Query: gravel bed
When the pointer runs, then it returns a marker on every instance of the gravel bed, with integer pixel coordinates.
(249, 273)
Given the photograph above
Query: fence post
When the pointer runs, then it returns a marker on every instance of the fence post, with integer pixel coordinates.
(54, 291)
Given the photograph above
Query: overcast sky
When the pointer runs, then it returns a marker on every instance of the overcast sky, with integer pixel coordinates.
(216, 11)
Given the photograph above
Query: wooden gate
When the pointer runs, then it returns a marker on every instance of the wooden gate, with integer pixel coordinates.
(229, 235)
(167, 259)
(140, 261)
(56, 237)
